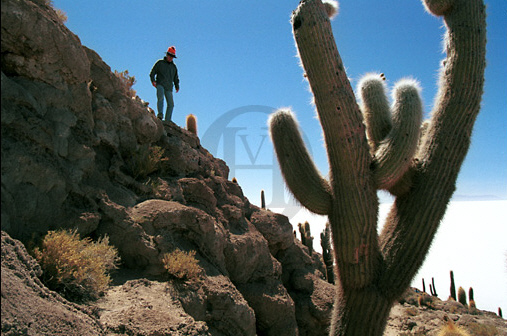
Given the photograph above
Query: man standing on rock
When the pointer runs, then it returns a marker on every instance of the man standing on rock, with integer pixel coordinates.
(163, 74)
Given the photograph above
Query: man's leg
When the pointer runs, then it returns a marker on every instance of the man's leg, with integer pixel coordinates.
(170, 105)
(160, 101)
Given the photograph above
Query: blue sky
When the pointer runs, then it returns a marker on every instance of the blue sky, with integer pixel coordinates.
(240, 56)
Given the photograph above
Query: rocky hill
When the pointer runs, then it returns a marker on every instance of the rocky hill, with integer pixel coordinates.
(76, 154)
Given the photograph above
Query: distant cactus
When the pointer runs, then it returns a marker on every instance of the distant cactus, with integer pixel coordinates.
(470, 294)
(462, 296)
(306, 236)
(500, 312)
(376, 269)
(309, 237)
(327, 256)
(433, 289)
(423, 286)
(302, 233)
(471, 302)
(263, 200)
(453, 287)
(192, 123)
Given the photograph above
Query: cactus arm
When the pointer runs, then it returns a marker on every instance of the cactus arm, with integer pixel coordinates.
(298, 169)
(415, 216)
(394, 155)
(375, 109)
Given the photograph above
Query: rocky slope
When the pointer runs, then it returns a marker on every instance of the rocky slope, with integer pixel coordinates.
(73, 156)
(74, 148)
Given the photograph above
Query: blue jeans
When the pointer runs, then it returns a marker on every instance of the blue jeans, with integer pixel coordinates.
(168, 94)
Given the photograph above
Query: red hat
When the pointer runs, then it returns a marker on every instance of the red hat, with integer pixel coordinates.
(171, 51)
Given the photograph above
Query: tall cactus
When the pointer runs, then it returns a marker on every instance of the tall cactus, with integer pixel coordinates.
(366, 154)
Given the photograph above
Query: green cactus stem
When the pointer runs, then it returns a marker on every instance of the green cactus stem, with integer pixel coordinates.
(263, 200)
(423, 286)
(421, 171)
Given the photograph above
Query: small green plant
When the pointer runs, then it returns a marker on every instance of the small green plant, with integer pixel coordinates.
(145, 160)
(127, 82)
(76, 268)
(182, 265)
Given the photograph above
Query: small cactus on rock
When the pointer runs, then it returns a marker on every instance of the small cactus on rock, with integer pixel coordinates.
(263, 200)
(192, 123)
(462, 296)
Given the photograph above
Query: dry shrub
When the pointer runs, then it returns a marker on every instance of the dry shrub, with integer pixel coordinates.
(478, 329)
(76, 268)
(62, 16)
(145, 160)
(182, 265)
(127, 82)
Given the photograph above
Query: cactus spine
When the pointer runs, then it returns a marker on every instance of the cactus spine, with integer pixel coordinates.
(192, 123)
(374, 270)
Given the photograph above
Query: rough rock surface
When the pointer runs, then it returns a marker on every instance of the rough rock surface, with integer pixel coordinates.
(72, 157)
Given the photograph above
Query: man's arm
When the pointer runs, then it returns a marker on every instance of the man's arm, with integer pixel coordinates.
(176, 80)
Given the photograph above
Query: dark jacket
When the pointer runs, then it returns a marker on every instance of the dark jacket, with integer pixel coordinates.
(165, 73)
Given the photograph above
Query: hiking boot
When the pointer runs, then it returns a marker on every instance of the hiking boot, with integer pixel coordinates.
(160, 116)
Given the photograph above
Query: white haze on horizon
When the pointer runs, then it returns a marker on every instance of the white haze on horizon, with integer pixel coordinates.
(471, 241)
